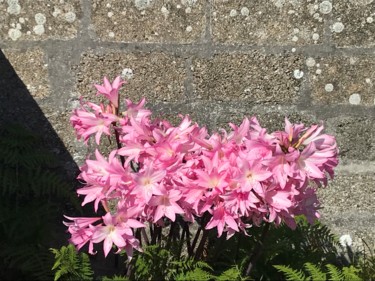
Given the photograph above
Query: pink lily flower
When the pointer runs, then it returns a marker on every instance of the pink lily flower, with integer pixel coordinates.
(110, 91)
(111, 233)
(166, 204)
(220, 218)
(87, 123)
(81, 231)
(147, 183)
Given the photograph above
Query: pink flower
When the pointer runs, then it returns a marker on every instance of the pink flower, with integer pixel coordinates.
(132, 150)
(277, 201)
(280, 165)
(81, 222)
(81, 231)
(110, 171)
(252, 175)
(147, 183)
(307, 204)
(166, 204)
(213, 177)
(311, 160)
(110, 91)
(238, 202)
(220, 218)
(136, 111)
(80, 236)
(111, 233)
(87, 123)
(92, 192)
(239, 133)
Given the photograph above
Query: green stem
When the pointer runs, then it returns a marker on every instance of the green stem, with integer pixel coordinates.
(257, 249)
(159, 235)
(197, 234)
(170, 235)
(200, 248)
(154, 235)
(117, 136)
(181, 244)
(144, 234)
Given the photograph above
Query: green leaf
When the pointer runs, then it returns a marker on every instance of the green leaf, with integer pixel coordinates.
(334, 273)
(290, 273)
(315, 272)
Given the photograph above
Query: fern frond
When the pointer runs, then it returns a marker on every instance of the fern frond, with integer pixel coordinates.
(71, 265)
(33, 261)
(316, 238)
(31, 191)
(198, 274)
(315, 272)
(233, 273)
(290, 273)
(351, 274)
(203, 265)
(334, 273)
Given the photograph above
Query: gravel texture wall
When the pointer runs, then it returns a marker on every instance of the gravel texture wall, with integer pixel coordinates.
(217, 60)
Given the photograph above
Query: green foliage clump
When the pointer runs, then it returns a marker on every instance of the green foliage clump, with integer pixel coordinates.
(307, 243)
(234, 273)
(70, 266)
(310, 251)
(28, 169)
(157, 263)
(115, 278)
(313, 272)
(154, 263)
(366, 263)
(30, 189)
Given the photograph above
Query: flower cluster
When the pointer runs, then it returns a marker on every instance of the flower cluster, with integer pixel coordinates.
(158, 171)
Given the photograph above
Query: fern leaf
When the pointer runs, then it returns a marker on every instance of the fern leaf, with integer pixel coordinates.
(315, 272)
(58, 274)
(203, 265)
(290, 273)
(70, 264)
(233, 273)
(350, 274)
(335, 274)
(198, 274)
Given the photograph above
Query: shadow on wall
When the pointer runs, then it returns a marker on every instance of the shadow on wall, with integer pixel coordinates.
(18, 106)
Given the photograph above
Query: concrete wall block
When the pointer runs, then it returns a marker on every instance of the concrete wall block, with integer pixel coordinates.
(32, 69)
(275, 120)
(348, 206)
(149, 21)
(342, 80)
(60, 123)
(253, 78)
(354, 23)
(275, 22)
(39, 20)
(355, 137)
(156, 76)
(272, 118)
(200, 112)
(357, 194)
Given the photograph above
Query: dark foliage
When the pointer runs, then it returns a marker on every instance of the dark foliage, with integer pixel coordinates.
(31, 205)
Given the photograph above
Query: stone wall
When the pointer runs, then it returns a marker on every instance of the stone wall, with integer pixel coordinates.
(216, 60)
